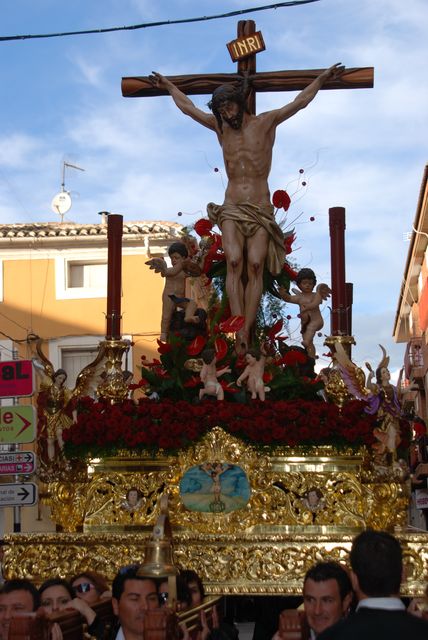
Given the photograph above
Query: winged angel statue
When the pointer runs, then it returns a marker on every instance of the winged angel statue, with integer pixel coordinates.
(55, 401)
(381, 397)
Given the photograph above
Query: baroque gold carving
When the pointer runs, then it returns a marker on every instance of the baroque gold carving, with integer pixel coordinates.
(353, 493)
(239, 563)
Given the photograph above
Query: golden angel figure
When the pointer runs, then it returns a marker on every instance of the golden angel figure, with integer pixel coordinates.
(56, 402)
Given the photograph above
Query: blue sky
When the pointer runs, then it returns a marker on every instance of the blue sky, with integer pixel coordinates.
(363, 149)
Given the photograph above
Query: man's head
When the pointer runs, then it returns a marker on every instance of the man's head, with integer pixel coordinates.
(228, 104)
(16, 596)
(132, 596)
(327, 595)
(377, 564)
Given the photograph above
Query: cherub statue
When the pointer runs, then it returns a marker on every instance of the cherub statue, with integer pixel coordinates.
(175, 287)
(253, 373)
(309, 302)
(55, 402)
(198, 285)
(209, 375)
(133, 500)
(381, 397)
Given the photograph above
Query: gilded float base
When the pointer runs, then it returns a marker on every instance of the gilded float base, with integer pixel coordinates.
(280, 511)
(228, 564)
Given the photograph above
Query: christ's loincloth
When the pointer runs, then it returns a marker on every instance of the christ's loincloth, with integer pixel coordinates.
(249, 218)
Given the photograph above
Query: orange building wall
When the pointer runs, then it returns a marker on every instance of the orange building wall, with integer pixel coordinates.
(29, 304)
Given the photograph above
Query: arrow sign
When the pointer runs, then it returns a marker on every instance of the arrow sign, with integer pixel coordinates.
(17, 462)
(17, 424)
(18, 495)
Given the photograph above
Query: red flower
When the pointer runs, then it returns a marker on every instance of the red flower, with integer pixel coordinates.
(276, 328)
(221, 348)
(232, 324)
(203, 227)
(192, 382)
(196, 346)
(289, 238)
(281, 200)
(289, 271)
(164, 347)
(293, 357)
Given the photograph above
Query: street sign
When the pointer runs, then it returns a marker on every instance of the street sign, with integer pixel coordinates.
(17, 462)
(17, 424)
(18, 495)
(16, 378)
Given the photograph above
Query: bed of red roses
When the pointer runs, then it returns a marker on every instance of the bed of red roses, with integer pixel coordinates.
(103, 429)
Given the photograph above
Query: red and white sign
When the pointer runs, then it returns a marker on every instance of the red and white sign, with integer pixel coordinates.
(16, 378)
(17, 462)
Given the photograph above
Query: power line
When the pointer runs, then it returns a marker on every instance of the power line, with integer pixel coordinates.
(146, 25)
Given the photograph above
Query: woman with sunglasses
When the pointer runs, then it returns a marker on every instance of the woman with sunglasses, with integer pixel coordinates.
(56, 595)
(90, 586)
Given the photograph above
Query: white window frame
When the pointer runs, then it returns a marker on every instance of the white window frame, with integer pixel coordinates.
(58, 345)
(1, 280)
(63, 291)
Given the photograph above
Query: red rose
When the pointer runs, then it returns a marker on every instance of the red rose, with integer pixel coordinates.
(203, 227)
(281, 200)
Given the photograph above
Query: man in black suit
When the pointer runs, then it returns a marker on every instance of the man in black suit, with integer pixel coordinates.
(377, 565)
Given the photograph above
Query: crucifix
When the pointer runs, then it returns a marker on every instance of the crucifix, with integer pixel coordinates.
(352, 78)
(251, 237)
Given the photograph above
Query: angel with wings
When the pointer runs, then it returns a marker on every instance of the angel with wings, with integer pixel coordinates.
(381, 397)
(309, 302)
(55, 402)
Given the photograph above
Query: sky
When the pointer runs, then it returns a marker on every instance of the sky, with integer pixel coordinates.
(361, 149)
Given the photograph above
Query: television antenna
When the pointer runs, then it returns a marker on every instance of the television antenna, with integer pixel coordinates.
(61, 203)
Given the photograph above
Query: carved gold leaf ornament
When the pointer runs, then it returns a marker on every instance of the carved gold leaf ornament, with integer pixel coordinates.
(236, 564)
(264, 547)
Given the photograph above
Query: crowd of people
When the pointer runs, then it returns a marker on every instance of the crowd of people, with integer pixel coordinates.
(337, 603)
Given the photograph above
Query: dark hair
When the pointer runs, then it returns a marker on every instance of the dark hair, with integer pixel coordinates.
(178, 247)
(377, 561)
(255, 353)
(379, 373)
(20, 584)
(331, 570)
(228, 93)
(191, 576)
(127, 573)
(99, 581)
(60, 372)
(56, 582)
(306, 274)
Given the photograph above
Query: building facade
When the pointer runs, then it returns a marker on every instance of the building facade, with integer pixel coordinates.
(53, 284)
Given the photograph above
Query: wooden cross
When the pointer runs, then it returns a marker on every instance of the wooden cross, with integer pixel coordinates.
(355, 78)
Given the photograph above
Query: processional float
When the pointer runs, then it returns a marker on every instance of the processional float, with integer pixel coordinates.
(257, 492)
